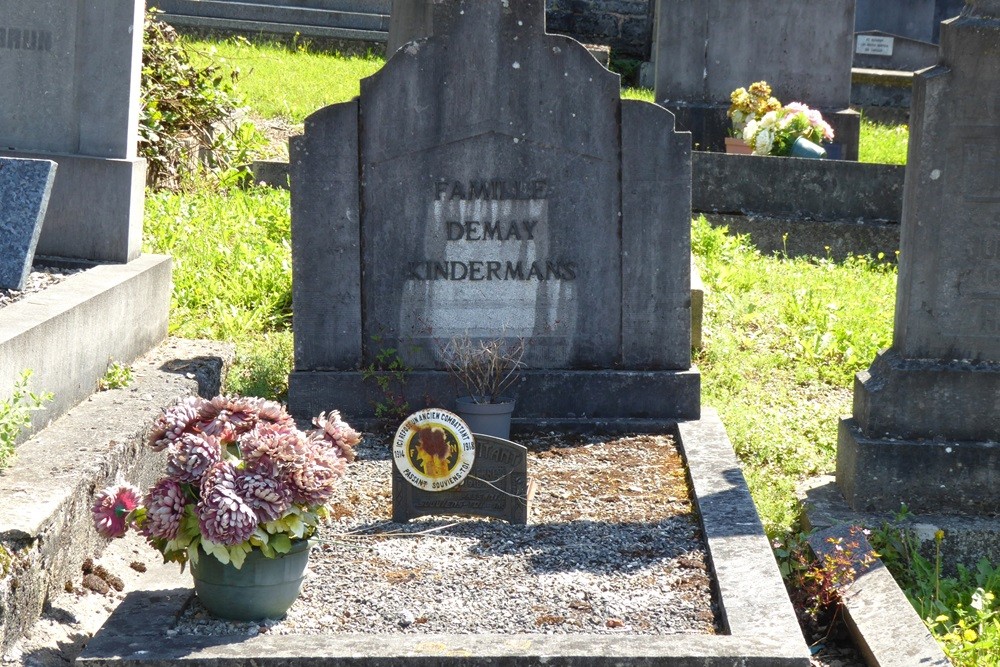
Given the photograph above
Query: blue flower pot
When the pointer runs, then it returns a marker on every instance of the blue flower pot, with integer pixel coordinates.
(262, 588)
(805, 148)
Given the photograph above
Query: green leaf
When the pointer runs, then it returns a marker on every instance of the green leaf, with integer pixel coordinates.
(237, 556)
(281, 543)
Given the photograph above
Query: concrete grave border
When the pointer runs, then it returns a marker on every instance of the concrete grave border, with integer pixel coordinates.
(754, 608)
(68, 333)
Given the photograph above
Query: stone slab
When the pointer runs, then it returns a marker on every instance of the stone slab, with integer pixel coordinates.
(537, 212)
(760, 622)
(550, 127)
(928, 399)
(785, 187)
(339, 39)
(278, 12)
(791, 237)
(883, 96)
(656, 185)
(326, 240)
(906, 18)
(540, 394)
(95, 209)
(497, 486)
(898, 53)
(410, 19)
(45, 519)
(706, 49)
(25, 186)
(967, 539)
(939, 476)
(75, 66)
(887, 630)
(67, 333)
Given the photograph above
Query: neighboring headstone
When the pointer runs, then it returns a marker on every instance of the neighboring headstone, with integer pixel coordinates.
(913, 19)
(880, 50)
(706, 49)
(491, 480)
(71, 71)
(24, 196)
(927, 413)
(548, 209)
(623, 26)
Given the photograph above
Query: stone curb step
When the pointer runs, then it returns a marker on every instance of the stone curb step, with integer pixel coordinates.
(885, 627)
(351, 21)
(263, 13)
(45, 522)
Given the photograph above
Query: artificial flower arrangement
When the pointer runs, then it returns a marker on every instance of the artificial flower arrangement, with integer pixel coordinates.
(239, 475)
(770, 128)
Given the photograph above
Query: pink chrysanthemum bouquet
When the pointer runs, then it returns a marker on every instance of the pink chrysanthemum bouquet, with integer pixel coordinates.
(239, 475)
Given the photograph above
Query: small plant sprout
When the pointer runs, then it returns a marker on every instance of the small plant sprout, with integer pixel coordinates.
(485, 368)
(15, 415)
(118, 376)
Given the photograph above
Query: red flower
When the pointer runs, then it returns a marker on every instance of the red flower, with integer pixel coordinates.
(112, 507)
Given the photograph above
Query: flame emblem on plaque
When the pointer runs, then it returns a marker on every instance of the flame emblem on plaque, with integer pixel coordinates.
(434, 450)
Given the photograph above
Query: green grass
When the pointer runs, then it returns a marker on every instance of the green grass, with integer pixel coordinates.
(783, 339)
(282, 82)
(881, 143)
(232, 276)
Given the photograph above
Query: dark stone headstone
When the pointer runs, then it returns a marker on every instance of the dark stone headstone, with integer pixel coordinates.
(24, 195)
(706, 49)
(496, 487)
(927, 413)
(548, 209)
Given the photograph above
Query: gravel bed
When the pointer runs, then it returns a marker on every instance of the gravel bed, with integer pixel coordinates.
(612, 546)
(41, 278)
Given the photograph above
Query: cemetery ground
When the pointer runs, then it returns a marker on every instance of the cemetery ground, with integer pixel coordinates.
(783, 337)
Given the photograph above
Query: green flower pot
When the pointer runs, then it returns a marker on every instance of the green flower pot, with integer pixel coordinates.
(262, 588)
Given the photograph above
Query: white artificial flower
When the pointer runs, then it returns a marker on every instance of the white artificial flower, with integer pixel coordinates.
(749, 131)
(765, 140)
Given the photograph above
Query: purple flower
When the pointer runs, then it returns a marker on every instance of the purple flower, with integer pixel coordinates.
(313, 476)
(190, 456)
(176, 420)
(278, 442)
(164, 509)
(336, 434)
(262, 488)
(221, 474)
(224, 518)
(112, 507)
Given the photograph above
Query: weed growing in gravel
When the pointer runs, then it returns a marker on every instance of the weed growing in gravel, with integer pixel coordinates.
(118, 376)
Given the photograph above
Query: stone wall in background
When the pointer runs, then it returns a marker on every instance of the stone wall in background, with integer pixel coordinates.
(624, 25)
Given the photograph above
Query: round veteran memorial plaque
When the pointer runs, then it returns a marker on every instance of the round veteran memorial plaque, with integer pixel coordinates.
(434, 450)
